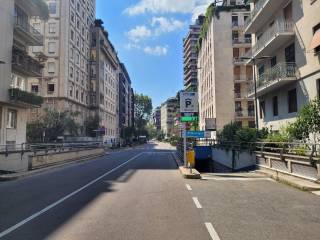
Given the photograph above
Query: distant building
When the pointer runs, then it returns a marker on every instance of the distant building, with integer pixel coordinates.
(125, 101)
(223, 77)
(157, 118)
(289, 33)
(104, 84)
(190, 55)
(169, 111)
(17, 66)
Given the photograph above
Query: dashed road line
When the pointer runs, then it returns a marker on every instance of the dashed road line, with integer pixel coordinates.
(196, 202)
(188, 187)
(44, 210)
(213, 234)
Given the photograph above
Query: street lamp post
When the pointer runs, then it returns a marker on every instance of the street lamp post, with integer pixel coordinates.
(255, 84)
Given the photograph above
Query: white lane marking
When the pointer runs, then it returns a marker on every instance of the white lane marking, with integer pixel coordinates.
(37, 214)
(196, 202)
(236, 179)
(188, 187)
(213, 234)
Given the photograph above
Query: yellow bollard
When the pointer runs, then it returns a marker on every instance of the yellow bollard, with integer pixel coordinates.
(191, 158)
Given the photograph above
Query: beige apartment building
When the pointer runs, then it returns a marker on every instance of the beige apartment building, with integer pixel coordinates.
(223, 77)
(286, 34)
(168, 113)
(16, 67)
(104, 84)
(65, 80)
(190, 55)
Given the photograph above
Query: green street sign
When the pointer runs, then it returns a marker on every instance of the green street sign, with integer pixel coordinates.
(189, 119)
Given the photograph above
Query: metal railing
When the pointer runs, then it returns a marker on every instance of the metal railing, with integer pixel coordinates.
(242, 78)
(26, 27)
(277, 73)
(257, 7)
(277, 28)
(241, 40)
(23, 62)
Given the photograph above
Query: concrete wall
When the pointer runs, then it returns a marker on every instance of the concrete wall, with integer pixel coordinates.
(233, 159)
(49, 159)
(17, 162)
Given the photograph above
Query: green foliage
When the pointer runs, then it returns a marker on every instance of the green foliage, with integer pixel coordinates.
(53, 124)
(228, 134)
(280, 136)
(43, 7)
(142, 113)
(91, 124)
(245, 135)
(17, 94)
(174, 140)
(308, 122)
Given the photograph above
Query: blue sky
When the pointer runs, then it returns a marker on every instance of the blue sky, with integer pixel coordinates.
(148, 37)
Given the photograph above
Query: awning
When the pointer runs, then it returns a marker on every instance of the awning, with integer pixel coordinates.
(315, 40)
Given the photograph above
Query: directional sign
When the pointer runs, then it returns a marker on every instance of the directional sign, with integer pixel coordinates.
(188, 102)
(195, 134)
(189, 119)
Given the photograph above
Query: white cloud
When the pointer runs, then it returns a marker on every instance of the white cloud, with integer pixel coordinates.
(156, 51)
(165, 25)
(161, 6)
(139, 33)
(194, 7)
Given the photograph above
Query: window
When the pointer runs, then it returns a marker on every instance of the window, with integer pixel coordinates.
(316, 31)
(273, 61)
(251, 124)
(71, 72)
(52, 8)
(287, 12)
(262, 109)
(235, 21)
(11, 118)
(290, 54)
(51, 47)
(71, 91)
(275, 106)
(34, 88)
(72, 35)
(50, 88)
(261, 70)
(51, 67)
(233, 2)
(292, 101)
(71, 52)
(72, 17)
(52, 28)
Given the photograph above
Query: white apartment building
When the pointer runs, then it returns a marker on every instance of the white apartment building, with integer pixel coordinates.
(288, 33)
(65, 80)
(168, 114)
(16, 66)
(223, 78)
(104, 84)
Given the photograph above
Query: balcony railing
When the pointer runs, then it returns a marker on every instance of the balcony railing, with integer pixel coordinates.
(244, 114)
(36, 38)
(272, 32)
(242, 78)
(257, 7)
(241, 41)
(280, 72)
(18, 95)
(26, 65)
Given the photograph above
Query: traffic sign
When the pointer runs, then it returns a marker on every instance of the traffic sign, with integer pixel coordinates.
(195, 134)
(188, 102)
(189, 119)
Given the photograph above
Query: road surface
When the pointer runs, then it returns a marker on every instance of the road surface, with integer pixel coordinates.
(139, 194)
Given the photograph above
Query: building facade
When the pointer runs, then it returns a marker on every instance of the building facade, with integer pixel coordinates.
(190, 55)
(124, 99)
(168, 113)
(286, 48)
(65, 81)
(157, 118)
(223, 78)
(104, 84)
(16, 67)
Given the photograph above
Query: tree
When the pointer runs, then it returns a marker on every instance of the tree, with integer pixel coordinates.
(91, 125)
(307, 123)
(51, 125)
(142, 112)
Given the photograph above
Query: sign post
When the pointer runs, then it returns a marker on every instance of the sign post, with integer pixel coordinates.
(189, 113)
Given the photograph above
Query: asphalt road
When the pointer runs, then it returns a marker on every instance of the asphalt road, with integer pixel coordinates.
(139, 194)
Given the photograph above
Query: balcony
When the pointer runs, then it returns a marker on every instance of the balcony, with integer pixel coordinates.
(277, 35)
(24, 98)
(242, 78)
(274, 78)
(25, 65)
(241, 96)
(244, 114)
(25, 33)
(239, 61)
(241, 41)
(261, 13)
